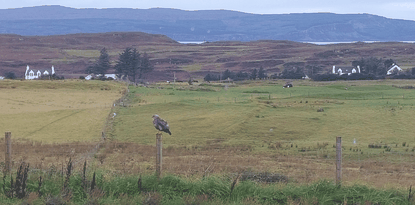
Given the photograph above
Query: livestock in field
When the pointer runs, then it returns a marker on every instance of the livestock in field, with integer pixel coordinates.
(288, 85)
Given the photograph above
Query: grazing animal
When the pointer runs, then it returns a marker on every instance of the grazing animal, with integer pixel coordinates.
(288, 85)
(161, 124)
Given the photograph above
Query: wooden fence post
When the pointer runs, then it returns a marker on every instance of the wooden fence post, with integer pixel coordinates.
(159, 147)
(8, 157)
(338, 160)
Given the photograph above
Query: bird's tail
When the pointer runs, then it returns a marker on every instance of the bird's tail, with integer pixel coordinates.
(168, 131)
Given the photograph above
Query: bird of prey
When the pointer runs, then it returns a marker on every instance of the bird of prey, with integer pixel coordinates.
(161, 124)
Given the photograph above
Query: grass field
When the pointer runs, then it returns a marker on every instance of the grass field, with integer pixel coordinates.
(367, 112)
(218, 128)
(263, 127)
(56, 111)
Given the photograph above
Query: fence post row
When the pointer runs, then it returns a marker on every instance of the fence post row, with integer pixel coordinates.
(7, 156)
(159, 147)
(338, 160)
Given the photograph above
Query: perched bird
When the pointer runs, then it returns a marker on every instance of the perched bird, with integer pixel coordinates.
(161, 124)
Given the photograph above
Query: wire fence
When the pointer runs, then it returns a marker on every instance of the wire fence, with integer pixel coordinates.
(291, 163)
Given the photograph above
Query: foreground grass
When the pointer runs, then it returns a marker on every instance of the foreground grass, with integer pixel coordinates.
(171, 189)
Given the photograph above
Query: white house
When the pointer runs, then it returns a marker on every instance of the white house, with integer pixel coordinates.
(346, 70)
(1, 78)
(90, 76)
(394, 68)
(31, 74)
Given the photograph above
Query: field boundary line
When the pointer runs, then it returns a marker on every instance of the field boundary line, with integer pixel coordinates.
(107, 127)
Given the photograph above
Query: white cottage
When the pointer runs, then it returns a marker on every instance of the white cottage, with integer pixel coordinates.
(345, 70)
(31, 74)
(393, 69)
(90, 76)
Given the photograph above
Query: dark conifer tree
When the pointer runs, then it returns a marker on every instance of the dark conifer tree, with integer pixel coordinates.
(131, 64)
(103, 63)
(254, 74)
(261, 73)
(146, 65)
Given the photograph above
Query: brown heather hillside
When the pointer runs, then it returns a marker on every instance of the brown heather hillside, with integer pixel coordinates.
(71, 54)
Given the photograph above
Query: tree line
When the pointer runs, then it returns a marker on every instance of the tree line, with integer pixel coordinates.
(130, 63)
(237, 76)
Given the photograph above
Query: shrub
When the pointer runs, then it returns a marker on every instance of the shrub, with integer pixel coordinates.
(354, 76)
(9, 75)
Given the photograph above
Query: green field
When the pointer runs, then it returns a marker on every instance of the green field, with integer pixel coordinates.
(258, 114)
(219, 131)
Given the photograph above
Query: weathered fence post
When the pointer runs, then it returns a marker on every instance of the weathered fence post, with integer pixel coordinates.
(8, 154)
(159, 147)
(338, 160)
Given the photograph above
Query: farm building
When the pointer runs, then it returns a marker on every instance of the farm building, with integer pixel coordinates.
(346, 70)
(31, 74)
(90, 76)
(393, 69)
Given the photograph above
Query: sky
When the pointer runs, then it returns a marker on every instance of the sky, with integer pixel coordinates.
(396, 9)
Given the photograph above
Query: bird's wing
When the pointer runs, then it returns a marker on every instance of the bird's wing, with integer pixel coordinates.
(164, 124)
(156, 123)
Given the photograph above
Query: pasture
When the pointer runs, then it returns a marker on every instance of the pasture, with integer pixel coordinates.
(259, 113)
(261, 126)
(56, 111)
(218, 129)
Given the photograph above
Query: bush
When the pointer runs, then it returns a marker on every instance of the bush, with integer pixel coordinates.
(211, 77)
(10, 75)
(354, 76)
(402, 76)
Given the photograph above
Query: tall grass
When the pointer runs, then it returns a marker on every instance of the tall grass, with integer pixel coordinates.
(172, 189)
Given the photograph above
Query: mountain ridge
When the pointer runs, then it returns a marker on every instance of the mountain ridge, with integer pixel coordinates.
(206, 25)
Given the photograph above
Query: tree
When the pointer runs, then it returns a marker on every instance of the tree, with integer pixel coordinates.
(261, 73)
(135, 64)
(313, 69)
(254, 74)
(146, 66)
(128, 63)
(102, 64)
(131, 63)
(241, 76)
(388, 63)
(211, 77)
(373, 66)
(10, 75)
(226, 74)
(123, 63)
(292, 73)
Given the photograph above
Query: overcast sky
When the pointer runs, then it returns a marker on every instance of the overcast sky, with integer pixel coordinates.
(397, 9)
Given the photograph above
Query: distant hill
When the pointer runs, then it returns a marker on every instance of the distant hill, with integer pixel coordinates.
(71, 54)
(208, 25)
